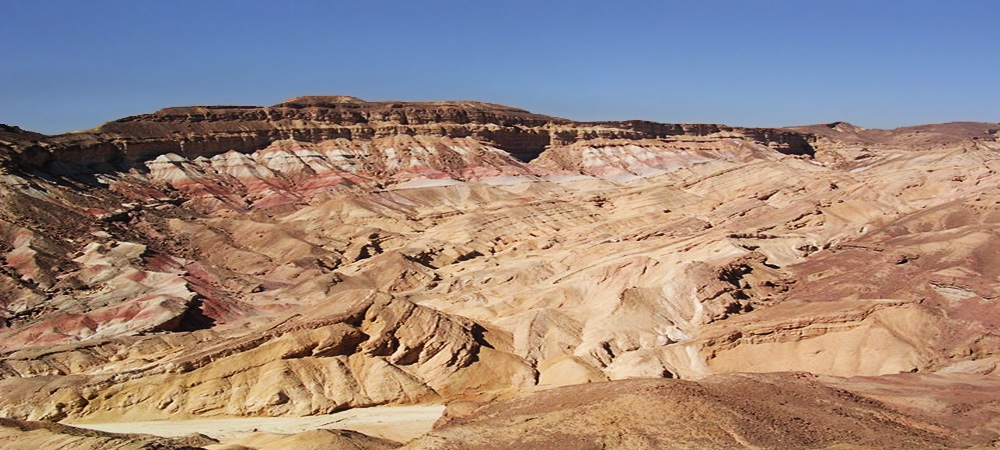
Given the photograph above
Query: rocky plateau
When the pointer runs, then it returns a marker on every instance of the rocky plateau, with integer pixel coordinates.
(557, 284)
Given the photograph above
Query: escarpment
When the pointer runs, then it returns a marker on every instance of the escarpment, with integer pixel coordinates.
(209, 130)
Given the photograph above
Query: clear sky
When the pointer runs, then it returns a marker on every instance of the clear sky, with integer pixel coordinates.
(71, 65)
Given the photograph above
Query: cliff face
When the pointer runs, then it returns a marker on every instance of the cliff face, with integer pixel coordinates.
(207, 131)
(352, 254)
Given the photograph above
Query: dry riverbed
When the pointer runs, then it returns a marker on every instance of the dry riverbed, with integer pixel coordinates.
(397, 423)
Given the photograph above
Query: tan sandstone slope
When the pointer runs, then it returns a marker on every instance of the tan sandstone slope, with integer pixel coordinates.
(328, 253)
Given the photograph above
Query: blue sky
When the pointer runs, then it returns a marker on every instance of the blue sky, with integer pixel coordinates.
(70, 65)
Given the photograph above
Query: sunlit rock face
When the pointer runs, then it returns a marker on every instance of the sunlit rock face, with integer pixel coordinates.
(328, 253)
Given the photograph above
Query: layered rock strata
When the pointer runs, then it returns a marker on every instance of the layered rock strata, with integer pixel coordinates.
(328, 253)
(210, 130)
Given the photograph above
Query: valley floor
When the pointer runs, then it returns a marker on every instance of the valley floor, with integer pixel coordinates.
(397, 423)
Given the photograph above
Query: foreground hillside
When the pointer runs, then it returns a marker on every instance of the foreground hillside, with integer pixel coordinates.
(327, 253)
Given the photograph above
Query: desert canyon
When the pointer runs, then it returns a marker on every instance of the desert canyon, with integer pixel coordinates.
(546, 283)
